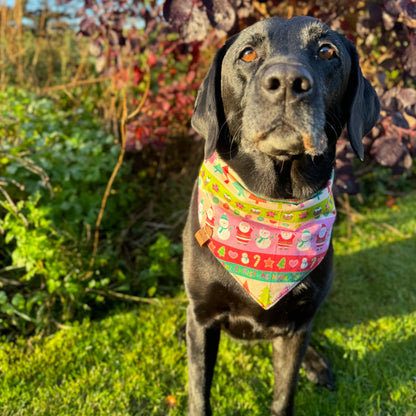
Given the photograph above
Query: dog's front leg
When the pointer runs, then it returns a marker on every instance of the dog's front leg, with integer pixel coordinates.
(288, 352)
(202, 347)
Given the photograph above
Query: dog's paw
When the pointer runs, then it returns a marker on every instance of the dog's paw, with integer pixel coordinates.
(318, 370)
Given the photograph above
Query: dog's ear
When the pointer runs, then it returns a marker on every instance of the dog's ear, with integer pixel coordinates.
(208, 118)
(363, 107)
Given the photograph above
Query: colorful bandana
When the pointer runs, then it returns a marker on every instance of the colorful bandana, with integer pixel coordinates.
(267, 245)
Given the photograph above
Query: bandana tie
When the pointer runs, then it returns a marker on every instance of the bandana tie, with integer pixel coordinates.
(268, 245)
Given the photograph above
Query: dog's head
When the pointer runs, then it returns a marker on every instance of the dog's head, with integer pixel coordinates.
(284, 88)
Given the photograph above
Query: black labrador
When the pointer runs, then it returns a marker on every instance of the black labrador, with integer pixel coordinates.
(271, 107)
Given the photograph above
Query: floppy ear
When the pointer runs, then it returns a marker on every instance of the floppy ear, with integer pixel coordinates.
(363, 105)
(208, 118)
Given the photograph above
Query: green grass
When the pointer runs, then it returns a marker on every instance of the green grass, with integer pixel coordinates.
(132, 363)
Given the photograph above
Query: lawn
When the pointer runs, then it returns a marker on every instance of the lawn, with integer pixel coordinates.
(133, 362)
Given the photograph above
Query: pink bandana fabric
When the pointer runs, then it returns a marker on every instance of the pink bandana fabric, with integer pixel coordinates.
(267, 245)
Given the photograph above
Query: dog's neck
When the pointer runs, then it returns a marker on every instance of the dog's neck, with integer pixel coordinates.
(296, 178)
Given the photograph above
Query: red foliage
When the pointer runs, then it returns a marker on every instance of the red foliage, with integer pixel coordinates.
(171, 36)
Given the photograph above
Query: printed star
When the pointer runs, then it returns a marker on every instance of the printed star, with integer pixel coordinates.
(269, 262)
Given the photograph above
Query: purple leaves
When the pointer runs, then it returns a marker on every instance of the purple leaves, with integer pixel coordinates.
(392, 143)
(221, 15)
(178, 12)
(392, 152)
(395, 147)
(87, 26)
(194, 18)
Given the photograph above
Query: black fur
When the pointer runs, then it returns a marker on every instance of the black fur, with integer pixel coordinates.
(275, 121)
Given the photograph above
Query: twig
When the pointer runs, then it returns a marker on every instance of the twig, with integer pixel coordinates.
(158, 226)
(7, 181)
(10, 282)
(124, 118)
(84, 54)
(74, 84)
(123, 296)
(31, 166)
(42, 27)
(18, 16)
(13, 206)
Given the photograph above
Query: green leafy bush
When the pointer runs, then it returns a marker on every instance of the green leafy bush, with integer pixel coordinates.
(163, 268)
(54, 168)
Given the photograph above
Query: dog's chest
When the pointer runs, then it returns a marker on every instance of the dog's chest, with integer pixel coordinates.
(247, 330)
(242, 319)
(246, 327)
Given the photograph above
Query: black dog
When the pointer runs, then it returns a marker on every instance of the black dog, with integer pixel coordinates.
(271, 108)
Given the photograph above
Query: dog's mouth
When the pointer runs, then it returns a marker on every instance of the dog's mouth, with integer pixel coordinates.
(284, 141)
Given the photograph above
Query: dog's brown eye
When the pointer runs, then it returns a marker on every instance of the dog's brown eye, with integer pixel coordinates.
(248, 55)
(326, 52)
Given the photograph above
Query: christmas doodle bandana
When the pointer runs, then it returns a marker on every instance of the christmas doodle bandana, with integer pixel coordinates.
(267, 245)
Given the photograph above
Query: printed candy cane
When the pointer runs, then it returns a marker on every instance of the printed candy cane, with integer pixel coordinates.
(258, 258)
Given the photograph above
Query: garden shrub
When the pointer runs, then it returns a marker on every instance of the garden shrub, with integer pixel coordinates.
(54, 168)
(163, 268)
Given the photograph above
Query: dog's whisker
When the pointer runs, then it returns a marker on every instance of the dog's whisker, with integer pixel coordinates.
(235, 137)
(332, 127)
(331, 118)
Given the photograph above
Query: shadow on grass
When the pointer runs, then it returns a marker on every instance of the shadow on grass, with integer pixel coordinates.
(377, 383)
(371, 284)
(365, 329)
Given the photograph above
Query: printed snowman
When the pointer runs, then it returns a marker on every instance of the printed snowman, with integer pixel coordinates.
(223, 229)
(263, 240)
(244, 258)
(305, 241)
(244, 233)
(304, 264)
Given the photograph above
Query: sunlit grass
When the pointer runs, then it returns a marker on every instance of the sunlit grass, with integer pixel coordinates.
(134, 363)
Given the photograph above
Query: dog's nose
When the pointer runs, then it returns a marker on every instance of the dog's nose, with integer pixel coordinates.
(284, 81)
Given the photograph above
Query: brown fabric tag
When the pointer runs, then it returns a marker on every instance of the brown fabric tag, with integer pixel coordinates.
(204, 235)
